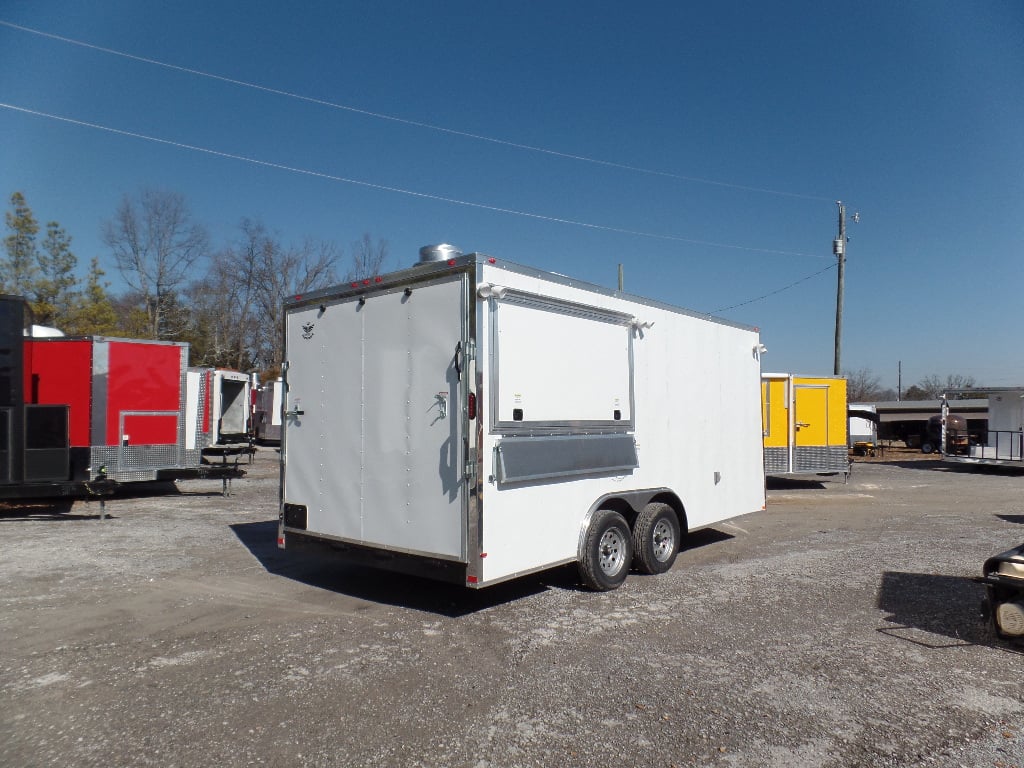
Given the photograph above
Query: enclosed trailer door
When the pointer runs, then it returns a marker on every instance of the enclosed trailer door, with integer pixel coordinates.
(373, 427)
(811, 415)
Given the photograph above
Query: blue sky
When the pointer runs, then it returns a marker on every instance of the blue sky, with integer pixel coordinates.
(754, 117)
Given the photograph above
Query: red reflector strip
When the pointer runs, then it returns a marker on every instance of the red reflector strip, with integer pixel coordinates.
(471, 406)
(280, 541)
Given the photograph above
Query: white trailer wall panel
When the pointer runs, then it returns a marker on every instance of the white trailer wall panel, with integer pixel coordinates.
(697, 414)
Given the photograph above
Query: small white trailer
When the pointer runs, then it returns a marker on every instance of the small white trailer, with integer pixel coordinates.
(474, 420)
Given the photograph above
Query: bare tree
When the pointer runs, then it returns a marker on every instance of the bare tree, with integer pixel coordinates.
(284, 272)
(225, 303)
(156, 244)
(862, 385)
(368, 258)
(935, 387)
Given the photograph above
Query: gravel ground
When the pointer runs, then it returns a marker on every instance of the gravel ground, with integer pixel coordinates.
(838, 628)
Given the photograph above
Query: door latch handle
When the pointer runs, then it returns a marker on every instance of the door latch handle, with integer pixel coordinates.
(296, 412)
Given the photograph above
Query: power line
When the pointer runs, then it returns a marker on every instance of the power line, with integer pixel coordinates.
(406, 121)
(780, 290)
(398, 190)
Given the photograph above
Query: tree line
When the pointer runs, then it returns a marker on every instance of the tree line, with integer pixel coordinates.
(226, 301)
(863, 386)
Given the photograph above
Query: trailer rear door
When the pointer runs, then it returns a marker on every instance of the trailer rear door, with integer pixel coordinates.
(373, 429)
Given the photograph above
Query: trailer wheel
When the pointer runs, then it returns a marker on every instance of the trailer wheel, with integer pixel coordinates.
(656, 538)
(927, 447)
(607, 551)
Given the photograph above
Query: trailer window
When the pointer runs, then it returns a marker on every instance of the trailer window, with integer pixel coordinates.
(560, 366)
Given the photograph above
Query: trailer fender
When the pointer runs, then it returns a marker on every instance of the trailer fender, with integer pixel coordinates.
(630, 504)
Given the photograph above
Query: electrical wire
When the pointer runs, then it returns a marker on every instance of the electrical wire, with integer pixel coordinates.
(398, 190)
(780, 290)
(409, 122)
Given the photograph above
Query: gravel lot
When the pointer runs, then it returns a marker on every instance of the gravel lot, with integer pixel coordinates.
(838, 628)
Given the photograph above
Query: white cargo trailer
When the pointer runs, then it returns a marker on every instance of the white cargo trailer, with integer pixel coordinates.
(475, 420)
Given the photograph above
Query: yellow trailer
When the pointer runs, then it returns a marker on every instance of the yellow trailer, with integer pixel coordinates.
(804, 421)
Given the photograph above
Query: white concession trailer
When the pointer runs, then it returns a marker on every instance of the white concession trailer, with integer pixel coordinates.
(474, 420)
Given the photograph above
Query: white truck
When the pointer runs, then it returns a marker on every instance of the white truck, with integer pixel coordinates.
(474, 420)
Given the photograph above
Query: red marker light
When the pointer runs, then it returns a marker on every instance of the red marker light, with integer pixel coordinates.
(451, 262)
(492, 261)
(483, 555)
(471, 579)
(378, 279)
(355, 285)
(298, 298)
(366, 282)
(471, 406)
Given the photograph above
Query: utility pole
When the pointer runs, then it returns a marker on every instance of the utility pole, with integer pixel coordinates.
(839, 249)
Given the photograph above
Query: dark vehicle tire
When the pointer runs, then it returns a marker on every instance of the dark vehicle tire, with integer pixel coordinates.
(927, 447)
(607, 551)
(655, 539)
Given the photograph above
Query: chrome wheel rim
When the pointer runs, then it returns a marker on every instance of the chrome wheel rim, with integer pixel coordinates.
(664, 540)
(611, 552)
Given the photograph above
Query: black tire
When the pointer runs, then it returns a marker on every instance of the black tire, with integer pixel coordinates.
(607, 551)
(927, 447)
(656, 537)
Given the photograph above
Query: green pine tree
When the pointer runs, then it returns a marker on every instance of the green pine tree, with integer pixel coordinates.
(21, 265)
(91, 312)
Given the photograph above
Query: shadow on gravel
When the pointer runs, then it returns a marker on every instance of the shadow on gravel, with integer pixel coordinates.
(961, 469)
(703, 538)
(64, 509)
(52, 510)
(324, 571)
(791, 483)
(924, 608)
(1018, 519)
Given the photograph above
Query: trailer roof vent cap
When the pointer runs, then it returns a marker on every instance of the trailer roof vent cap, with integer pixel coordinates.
(431, 254)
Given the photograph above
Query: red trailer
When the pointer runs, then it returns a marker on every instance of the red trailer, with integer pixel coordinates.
(126, 403)
(80, 411)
